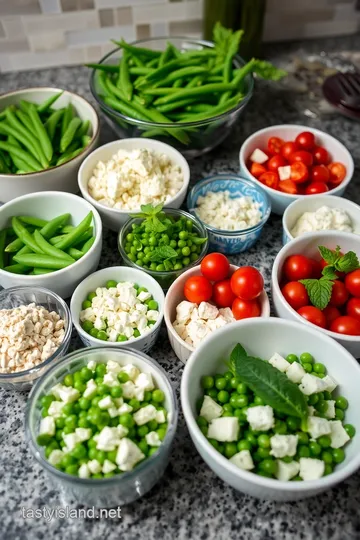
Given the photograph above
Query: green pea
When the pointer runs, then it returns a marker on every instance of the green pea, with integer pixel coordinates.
(327, 457)
(84, 403)
(315, 449)
(116, 392)
(158, 396)
(126, 420)
(339, 414)
(228, 408)
(350, 430)
(293, 423)
(102, 335)
(223, 396)
(87, 326)
(91, 296)
(67, 460)
(79, 452)
(93, 332)
(100, 370)
(160, 268)
(161, 433)
(264, 441)
(153, 425)
(220, 383)
(123, 377)
(47, 400)
(230, 449)
(327, 395)
(100, 456)
(319, 368)
(244, 445)
(280, 427)
(68, 380)
(291, 358)
(242, 388)
(313, 399)
(287, 459)
(68, 408)
(324, 441)
(269, 466)
(250, 437)
(111, 284)
(60, 422)
(111, 456)
(306, 358)
(342, 403)
(80, 386)
(303, 451)
(86, 374)
(338, 455)
(258, 401)
(321, 406)
(121, 338)
(207, 382)
(308, 367)
(86, 304)
(153, 305)
(212, 393)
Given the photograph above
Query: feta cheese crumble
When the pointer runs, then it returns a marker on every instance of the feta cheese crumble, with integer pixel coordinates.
(323, 219)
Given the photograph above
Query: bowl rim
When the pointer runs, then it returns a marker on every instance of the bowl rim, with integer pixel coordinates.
(272, 483)
(98, 231)
(11, 377)
(322, 197)
(318, 133)
(231, 178)
(84, 185)
(132, 340)
(204, 43)
(169, 324)
(277, 291)
(156, 367)
(95, 129)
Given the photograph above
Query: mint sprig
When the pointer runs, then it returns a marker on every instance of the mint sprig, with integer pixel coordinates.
(319, 291)
(151, 214)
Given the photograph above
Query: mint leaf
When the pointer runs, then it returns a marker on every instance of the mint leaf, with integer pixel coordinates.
(237, 353)
(161, 253)
(329, 272)
(330, 256)
(266, 70)
(319, 291)
(153, 224)
(348, 262)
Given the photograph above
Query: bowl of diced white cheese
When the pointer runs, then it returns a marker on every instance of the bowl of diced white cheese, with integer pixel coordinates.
(263, 338)
(121, 176)
(234, 211)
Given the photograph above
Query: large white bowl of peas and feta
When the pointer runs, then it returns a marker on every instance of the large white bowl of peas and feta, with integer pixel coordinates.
(272, 407)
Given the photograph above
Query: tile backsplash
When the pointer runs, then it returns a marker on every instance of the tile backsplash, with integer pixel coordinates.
(45, 33)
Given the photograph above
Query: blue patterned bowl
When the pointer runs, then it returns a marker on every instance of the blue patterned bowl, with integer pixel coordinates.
(231, 241)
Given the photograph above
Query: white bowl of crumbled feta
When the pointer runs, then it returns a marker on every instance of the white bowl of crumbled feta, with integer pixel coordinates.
(120, 176)
(233, 210)
(320, 213)
(119, 306)
(262, 338)
(178, 313)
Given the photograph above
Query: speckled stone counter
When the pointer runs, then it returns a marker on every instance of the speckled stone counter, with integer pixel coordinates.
(189, 501)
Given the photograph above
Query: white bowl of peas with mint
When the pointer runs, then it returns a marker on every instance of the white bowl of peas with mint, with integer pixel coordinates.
(272, 407)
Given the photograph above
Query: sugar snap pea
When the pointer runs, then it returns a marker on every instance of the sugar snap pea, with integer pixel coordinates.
(75, 253)
(41, 132)
(53, 121)
(39, 271)
(83, 129)
(2, 248)
(37, 260)
(8, 130)
(66, 119)
(74, 235)
(45, 105)
(21, 154)
(31, 220)
(88, 244)
(68, 156)
(123, 81)
(25, 236)
(69, 133)
(48, 249)
(110, 68)
(17, 268)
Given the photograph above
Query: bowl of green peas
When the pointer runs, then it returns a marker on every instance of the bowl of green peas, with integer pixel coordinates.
(272, 408)
(163, 243)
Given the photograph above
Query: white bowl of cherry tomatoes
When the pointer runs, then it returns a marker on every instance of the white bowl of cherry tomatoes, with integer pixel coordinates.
(316, 280)
(236, 292)
(291, 161)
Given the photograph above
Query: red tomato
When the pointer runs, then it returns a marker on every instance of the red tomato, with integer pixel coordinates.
(313, 315)
(247, 283)
(353, 308)
(346, 325)
(295, 294)
(316, 273)
(275, 162)
(320, 173)
(270, 179)
(321, 155)
(301, 156)
(352, 283)
(274, 145)
(331, 313)
(339, 294)
(288, 186)
(244, 309)
(337, 174)
(197, 289)
(316, 187)
(287, 149)
(305, 140)
(297, 267)
(215, 267)
(257, 169)
(222, 293)
(299, 172)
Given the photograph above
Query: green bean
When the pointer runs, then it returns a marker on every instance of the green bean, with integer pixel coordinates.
(2, 248)
(115, 90)
(148, 53)
(197, 107)
(88, 244)
(48, 249)
(45, 106)
(53, 121)
(193, 92)
(24, 235)
(125, 109)
(39, 271)
(67, 157)
(182, 72)
(214, 111)
(137, 61)
(4, 169)
(194, 82)
(74, 235)
(157, 117)
(165, 55)
(140, 70)
(178, 83)
(41, 133)
(153, 63)
(17, 268)
(109, 68)
(150, 133)
(24, 105)
(6, 129)
(37, 260)
(83, 129)
(21, 154)
(6, 158)
(175, 105)
(66, 119)
(31, 220)
(200, 52)
(102, 82)
(75, 253)
(26, 120)
(168, 90)
(242, 72)
(69, 133)
(123, 81)
(158, 73)
(85, 140)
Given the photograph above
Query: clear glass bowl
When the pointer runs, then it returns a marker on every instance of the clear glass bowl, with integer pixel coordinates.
(165, 279)
(122, 488)
(203, 135)
(19, 296)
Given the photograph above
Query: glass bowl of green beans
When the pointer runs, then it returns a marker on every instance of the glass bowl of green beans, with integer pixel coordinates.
(167, 254)
(191, 108)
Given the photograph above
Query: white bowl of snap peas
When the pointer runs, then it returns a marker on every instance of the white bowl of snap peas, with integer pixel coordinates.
(45, 134)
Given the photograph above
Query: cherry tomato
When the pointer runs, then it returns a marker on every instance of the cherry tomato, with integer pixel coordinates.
(287, 149)
(275, 162)
(305, 140)
(288, 186)
(302, 156)
(197, 289)
(247, 283)
(316, 187)
(317, 268)
(297, 267)
(257, 169)
(339, 294)
(346, 325)
(244, 309)
(270, 179)
(313, 315)
(222, 293)
(331, 313)
(320, 173)
(337, 174)
(321, 155)
(274, 145)
(295, 294)
(352, 283)
(299, 172)
(353, 308)
(215, 267)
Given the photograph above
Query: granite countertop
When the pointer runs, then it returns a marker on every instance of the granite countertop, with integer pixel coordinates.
(189, 501)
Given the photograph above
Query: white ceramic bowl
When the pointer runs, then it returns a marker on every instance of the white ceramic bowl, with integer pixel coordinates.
(114, 218)
(308, 245)
(48, 205)
(263, 337)
(296, 209)
(173, 298)
(99, 279)
(288, 132)
(63, 177)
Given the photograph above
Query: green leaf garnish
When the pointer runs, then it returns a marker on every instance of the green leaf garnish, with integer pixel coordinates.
(161, 253)
(348, 263)
(266, 70)
(329, 255)
(319, 291)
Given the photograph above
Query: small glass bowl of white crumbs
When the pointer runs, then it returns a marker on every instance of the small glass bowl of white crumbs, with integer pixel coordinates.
(234, 211)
